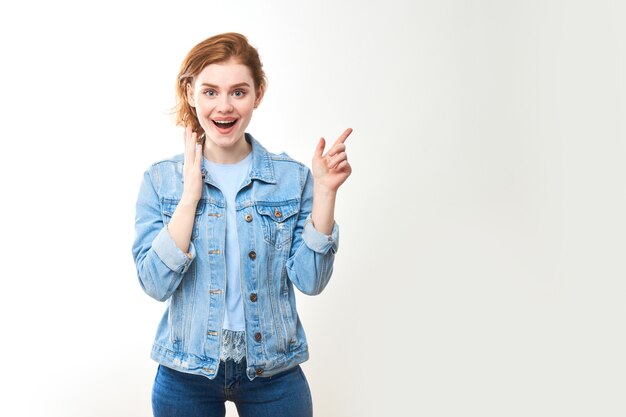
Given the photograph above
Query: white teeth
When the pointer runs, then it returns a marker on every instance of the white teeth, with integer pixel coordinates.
(222, 122)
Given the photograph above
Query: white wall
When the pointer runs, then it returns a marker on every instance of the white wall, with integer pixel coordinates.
(481, 268)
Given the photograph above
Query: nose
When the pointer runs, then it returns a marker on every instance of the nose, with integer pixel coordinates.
(224, 104)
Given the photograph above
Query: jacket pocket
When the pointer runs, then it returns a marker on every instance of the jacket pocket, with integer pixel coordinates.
(168, 205)
(278, 220)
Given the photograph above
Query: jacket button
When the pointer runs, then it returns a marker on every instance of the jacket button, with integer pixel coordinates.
(252, 255)
(257, 337)
(248, 217)
(253, 297)
(277, 213)
(259, 371)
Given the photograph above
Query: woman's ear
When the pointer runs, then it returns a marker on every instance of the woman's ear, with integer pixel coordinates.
(190, 99)
(259, 97)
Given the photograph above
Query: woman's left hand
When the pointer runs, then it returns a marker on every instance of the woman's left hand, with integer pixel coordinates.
(332, 169)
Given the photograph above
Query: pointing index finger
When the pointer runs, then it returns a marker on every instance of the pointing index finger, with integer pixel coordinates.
(344, 135)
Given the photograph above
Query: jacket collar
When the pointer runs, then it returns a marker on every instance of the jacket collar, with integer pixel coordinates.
(262, 167)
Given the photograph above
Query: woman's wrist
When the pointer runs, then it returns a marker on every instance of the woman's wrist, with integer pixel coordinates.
(188, 200)
(324, 192)
(323, 213)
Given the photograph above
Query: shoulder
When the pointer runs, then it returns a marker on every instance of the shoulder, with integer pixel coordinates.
(171, 167)
(279, 160)
(273, 168)
(167, 163)
(173, 160)
(289, 172)
(287, 161)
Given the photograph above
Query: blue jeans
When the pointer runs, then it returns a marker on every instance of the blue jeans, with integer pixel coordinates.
(285, 394)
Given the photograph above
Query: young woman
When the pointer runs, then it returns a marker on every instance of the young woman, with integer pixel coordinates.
(224, 233)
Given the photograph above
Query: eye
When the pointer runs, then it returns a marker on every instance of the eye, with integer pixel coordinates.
(239, 93)
(210, 92)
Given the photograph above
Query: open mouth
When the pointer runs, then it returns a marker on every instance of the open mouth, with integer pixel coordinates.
(224, 124)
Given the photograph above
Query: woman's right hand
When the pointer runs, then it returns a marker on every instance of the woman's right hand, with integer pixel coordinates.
(180, 226)
(193, 183)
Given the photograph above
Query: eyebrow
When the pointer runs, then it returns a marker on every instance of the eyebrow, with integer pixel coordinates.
(232, 86)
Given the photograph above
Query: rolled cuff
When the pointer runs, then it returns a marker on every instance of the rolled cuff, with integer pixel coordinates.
(170, 254)
(319, 242)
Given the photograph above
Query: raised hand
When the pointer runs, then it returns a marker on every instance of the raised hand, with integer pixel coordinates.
(192, 188)
(330, 170)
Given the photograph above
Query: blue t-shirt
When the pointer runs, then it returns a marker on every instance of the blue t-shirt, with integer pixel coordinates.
(229, 178)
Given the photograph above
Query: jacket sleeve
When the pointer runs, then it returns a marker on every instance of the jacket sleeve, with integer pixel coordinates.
(160, 264)
(310, 264)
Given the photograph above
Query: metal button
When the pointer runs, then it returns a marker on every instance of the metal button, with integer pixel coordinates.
(257, 337)
(252, 255)
(253, 297)
(277, 213)
(248, 217)
(259, 371)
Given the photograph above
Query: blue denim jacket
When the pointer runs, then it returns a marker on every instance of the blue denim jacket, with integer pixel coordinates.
(279, 248)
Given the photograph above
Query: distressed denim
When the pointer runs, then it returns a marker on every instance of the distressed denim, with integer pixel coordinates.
(285, 394)
(280, 249)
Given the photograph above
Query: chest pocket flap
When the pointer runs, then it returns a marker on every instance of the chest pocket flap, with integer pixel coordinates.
(278, 220)
(279, 211)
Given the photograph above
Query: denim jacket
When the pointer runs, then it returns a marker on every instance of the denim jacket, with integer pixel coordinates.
(279, 249)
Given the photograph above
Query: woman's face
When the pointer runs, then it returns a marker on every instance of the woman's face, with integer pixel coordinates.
(224, 97)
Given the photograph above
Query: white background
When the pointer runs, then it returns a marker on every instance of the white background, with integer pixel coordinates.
(481, 266)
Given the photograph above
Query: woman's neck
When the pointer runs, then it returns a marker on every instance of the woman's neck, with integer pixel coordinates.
(227, 155)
